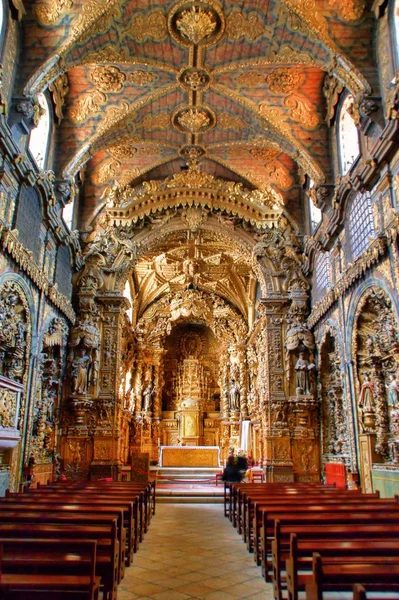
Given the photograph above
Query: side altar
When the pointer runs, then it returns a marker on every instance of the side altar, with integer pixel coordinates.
(189, 456)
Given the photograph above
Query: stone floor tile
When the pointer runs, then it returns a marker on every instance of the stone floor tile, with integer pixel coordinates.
(195, 589)
(170, 595)
(193, 551)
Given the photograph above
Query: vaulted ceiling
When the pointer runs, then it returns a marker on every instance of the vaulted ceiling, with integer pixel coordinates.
(154, 85)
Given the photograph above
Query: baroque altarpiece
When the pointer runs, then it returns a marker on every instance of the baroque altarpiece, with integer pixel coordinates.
(231, 175)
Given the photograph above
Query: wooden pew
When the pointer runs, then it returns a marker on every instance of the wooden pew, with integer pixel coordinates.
(323, 532)
(107, 559)
(53, 567)
(319, 516)
(252, 508)
(141, 508)
(83, 503)
(269, 489)
(77, 518)
(340, 576)
(301, 556)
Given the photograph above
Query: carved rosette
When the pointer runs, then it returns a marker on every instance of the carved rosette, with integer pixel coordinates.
(196, 23)
(194, 120)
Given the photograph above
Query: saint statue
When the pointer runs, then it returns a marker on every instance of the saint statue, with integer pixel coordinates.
(79, 369)
(367, 402)
(302, 374)
(393, 391)
(234, 396)
(147, 395)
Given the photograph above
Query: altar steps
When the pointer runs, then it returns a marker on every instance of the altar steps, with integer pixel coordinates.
(187, 485)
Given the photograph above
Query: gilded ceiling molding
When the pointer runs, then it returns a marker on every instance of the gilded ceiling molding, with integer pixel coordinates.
(122, 151)
(87, 106)
(307, 12)
(108, 78)
(117, 115)
(273, 120)
(227, 121)
(152, 26)
(251, 28)
(284, 80)
(106, 172)
(261, 208)
(59, 90)
(91, 13)
(348, 10)
(286, 56)
(94, 17)
(51, 11)
(141, 78)
(302, 111)
(127, 176)
(153, 122)
(199, 23)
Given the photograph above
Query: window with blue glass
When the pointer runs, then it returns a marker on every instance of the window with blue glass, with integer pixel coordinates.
(360, 224)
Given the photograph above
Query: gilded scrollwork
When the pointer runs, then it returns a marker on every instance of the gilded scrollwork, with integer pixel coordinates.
(108, 78)
(14, 331)
(48, 13)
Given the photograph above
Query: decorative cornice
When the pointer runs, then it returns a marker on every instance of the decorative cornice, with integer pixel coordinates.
(194, 188)
(24, 258)
(362, 264)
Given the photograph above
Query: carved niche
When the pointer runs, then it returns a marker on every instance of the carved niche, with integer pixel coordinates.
(45, 416)
(14, 331)
(334, 425)
(375, 348)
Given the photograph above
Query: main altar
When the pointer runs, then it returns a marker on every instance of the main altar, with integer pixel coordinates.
(189, 456)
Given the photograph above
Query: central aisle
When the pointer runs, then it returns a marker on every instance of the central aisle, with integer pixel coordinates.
(193, 551)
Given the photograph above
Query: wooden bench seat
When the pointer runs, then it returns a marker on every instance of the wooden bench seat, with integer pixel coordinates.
(57, 567)
(328, 575)
(252, 508)
(300, 562)
(141, 508)
(82, 504)
(107, 557)
(281, 544)
(232, 491)
(247, 498)
(323, 515)
(73, 517)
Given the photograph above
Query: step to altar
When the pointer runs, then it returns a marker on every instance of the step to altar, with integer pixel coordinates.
(182, 475)
(187, 485)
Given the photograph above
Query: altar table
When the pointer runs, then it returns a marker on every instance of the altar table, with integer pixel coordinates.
(189, 456)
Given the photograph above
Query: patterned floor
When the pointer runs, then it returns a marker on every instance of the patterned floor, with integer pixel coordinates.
(193, 551)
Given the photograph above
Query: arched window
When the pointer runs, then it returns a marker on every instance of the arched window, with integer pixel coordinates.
(395, 32)
(1, 20)
(315, 216)
(360, 224)
(348, 137)
(321, 275)
(39, 137)
(67, 214)
(128, 294)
